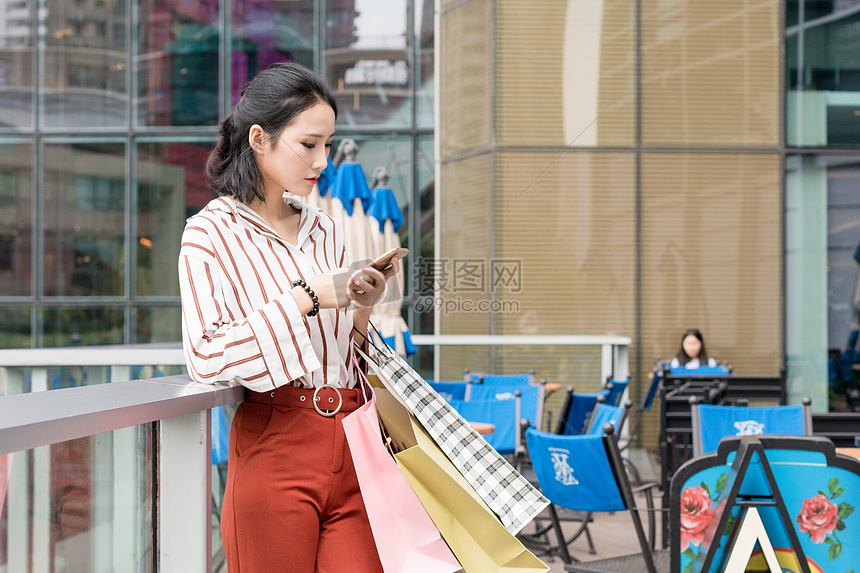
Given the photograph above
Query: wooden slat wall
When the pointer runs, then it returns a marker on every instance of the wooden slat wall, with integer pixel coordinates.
(465, 85)
(712, 256)
(711, 223)
(465, 235)
(570, 219)
(710, 73)
(712, 260)
(534, 50)
(571, 231)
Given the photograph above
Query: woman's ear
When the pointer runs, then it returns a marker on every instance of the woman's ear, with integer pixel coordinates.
(256, 137)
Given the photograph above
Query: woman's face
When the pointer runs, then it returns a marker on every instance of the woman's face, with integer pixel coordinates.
(294, 160)
(692, 346)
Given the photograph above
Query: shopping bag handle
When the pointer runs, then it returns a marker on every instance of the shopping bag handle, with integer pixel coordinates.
(366, 387)
(366, 335)
(362, 379)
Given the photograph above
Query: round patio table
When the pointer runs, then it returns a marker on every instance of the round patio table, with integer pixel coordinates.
(483, 428)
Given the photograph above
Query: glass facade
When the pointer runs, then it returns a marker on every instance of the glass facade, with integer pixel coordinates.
(822, 79)
(822, 112)
(108, 109)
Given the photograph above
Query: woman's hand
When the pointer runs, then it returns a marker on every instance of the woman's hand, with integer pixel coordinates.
(367, 284)
(329, 288)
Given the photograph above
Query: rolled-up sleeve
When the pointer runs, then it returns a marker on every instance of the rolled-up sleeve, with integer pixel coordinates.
(265, 349)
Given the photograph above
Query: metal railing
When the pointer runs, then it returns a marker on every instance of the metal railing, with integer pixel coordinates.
(179, 412)
(614, 349)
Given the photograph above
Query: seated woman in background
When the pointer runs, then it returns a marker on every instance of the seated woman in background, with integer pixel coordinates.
(692, 352)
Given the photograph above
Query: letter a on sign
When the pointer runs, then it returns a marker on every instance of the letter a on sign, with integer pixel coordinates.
(750, 530)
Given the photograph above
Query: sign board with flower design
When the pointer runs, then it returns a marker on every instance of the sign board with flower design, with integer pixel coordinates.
(804, 493)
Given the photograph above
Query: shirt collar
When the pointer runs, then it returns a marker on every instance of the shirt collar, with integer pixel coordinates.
(229, 205)
(223, 203)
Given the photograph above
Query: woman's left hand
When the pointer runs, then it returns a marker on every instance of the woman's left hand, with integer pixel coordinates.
(367, 284)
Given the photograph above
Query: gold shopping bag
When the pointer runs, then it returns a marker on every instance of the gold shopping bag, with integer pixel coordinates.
(476, 536)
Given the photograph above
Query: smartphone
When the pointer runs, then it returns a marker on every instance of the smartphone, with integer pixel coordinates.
(384, 261)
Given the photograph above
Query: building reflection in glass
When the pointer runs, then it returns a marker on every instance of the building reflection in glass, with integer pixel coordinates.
(84, 64)
(16, 64)
(16, 227)
(84, 214)
(171, 186)
(178, 63)
(367, 63)
(269, 31)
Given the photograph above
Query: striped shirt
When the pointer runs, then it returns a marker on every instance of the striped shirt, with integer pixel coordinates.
(240, 324)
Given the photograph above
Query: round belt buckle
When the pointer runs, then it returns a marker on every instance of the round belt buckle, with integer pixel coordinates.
(316, 398)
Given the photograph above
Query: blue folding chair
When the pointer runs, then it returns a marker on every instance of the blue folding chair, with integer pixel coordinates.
(501, 413)
(607, 414)
(586, 473)
(528, 378)
(602, 414)
(220, 435)
(648, 396)
(455, 390)
(576, 412)
(531, 397)
(717, 370)
(713, 423)
(616, 390)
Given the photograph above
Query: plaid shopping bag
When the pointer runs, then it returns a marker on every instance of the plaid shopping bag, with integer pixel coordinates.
(512, 498)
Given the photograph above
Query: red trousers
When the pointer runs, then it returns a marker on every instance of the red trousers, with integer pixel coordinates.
(292, 501)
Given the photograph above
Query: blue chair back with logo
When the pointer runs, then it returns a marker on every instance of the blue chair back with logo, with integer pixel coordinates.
(574, 471)
(586, 473)
(712, 423)
(717, 370)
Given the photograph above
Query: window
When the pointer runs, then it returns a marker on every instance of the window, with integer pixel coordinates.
(93, 193)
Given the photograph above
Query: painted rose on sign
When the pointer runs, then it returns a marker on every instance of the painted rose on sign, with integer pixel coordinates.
(817, 517)
(822, 518)
(696, 512)
(698, 503)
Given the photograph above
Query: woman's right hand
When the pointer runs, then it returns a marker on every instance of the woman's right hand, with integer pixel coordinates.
(329, 288)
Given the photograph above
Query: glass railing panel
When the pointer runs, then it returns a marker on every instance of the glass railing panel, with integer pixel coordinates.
(23, 379)
(80, 505)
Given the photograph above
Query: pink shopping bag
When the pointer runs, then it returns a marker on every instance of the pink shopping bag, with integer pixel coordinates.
(406, 538)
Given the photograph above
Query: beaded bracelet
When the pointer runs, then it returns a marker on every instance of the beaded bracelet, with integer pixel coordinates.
(315, 310)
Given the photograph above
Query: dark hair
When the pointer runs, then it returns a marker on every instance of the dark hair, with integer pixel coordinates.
(273, 100)
(703, 353)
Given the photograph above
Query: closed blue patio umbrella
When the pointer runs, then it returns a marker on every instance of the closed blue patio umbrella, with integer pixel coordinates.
(386, 219)
(353, 197)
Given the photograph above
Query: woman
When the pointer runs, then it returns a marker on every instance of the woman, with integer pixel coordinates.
(692, 353)
(266, 303)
